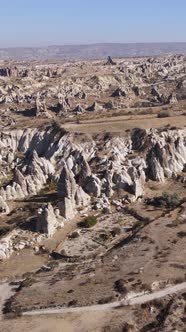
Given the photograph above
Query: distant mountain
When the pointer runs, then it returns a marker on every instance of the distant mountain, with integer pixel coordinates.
(92, 51)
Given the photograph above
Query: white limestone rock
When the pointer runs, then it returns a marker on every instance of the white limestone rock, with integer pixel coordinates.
(47, 221)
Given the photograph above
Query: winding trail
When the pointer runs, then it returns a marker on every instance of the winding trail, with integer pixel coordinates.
(133, 299)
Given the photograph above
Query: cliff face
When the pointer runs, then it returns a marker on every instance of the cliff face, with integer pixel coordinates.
(81, 170)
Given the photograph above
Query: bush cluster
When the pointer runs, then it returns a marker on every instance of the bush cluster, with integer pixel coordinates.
(166, 200)
(88, 222)
(163, 114)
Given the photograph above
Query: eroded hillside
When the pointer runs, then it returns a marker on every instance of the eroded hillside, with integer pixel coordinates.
(92, 193)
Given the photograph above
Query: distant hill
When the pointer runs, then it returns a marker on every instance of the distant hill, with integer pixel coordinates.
(92, 51)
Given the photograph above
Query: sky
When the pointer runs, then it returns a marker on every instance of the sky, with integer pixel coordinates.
(58, 22)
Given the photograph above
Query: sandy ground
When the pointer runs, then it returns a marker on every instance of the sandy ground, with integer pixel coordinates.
(122, 123)
(20, 263)
(84, 322)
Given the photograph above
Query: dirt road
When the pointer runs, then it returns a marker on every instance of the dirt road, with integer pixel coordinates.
(132, 300)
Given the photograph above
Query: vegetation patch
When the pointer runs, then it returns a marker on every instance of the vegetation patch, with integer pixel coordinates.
(88, 222)
(163, 114)
(166, 200)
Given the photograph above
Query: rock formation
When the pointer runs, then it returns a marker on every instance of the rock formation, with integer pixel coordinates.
(47, 222)
(110, 61)
(71, 194)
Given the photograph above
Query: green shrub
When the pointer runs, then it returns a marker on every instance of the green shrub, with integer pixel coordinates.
(28, 282)
(163, 114)
(166, 200)
(52, 186)
(138, 225)
(52, 264)
(88, 222)
(171, 200)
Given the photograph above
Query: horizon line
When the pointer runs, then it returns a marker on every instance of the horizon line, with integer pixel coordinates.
(92, 44)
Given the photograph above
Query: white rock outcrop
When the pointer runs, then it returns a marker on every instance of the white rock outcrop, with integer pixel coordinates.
(79, 171)
(47, 221)
(71, 194)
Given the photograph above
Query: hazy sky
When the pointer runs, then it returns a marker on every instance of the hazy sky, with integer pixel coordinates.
(47, 22)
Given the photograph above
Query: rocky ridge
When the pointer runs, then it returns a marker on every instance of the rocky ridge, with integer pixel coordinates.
(82, 172)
